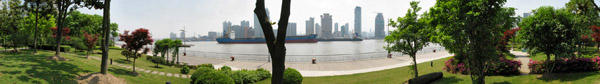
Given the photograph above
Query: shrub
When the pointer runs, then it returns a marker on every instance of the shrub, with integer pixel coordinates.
(156, 59)
(453, 66)
(565, 65)
(292, 76)
(185, 70)
(244, 76)
(64, 48)
(206, 65)
(199, 72)
(192, 66)
(226, 68)
(213, 77)
(263, 73)
(504, 67)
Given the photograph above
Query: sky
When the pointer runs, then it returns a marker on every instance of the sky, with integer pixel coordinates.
(199, 17)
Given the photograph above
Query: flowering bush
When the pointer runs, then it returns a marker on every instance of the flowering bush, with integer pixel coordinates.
(453, 66)
(566, 65)
(503, 67)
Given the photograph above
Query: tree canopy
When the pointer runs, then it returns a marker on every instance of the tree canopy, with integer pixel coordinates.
(410, 35)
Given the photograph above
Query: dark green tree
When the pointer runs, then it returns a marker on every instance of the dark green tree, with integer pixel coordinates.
(410, 34)
(469, 29)
(276, 46)
(550, 31)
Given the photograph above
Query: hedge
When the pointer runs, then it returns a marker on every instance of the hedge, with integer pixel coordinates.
(502, 67)
(565, 65)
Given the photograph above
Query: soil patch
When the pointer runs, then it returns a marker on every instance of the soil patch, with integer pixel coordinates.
(57, 58)
(98, 78)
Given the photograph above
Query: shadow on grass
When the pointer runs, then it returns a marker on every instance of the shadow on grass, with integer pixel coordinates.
(447, 80)
(53, 72)
(566, 76)
(123, 61)
(121, 71)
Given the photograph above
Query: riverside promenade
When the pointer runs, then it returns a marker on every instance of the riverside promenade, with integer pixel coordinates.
(308, 69)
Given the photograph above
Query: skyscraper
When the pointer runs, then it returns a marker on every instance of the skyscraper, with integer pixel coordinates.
(245, 23)
(326, 25)
(345, 30)
(257, 28)
(318, 29)
(212, 35)
(310, 26)
(335, 27)
(182, 36)
(379, 26)
(357, 21)
(173, 36)
(291, 29)
(226, 28)
(526, 15)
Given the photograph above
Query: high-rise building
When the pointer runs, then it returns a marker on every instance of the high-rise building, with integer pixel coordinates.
(238, 31)
(335, 27)
(318, 29)
(212, 35)
(526, 15)
(257, 28)
(357, 21)
(245, 23)
(291, 29)
(173, 36)
(345, 30)
(379, 26)
(226, 28)
(310, 26)
(182, 36)
(326, 25)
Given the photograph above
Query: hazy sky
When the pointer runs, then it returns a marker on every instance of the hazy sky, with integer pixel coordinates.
(201, 16)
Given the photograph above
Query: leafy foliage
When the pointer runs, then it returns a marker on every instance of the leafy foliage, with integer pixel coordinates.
(410, 35)
(471, 28)
(551, 32)
(90, 41)
(185, 70)
(292, 76)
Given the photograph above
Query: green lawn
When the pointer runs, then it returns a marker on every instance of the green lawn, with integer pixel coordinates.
(115, 54)
(24, 68)
(401, 74)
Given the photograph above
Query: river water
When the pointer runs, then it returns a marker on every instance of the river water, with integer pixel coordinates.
(319, 48)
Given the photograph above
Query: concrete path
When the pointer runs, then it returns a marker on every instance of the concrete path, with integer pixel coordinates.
(308, 69)
(524, 58)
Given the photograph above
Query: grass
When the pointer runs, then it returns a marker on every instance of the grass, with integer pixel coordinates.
(402, 74)
(24, 68)
(115, 54)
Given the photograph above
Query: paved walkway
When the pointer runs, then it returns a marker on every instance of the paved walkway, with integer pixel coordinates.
(524, 58)
(325, 68)
(147, 71)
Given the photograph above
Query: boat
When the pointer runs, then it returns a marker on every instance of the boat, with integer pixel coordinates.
(288, 39)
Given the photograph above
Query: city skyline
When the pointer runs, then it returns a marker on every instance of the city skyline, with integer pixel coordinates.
(203, 16)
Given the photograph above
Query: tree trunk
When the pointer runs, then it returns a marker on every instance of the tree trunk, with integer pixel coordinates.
(276, 46)
(548, 69)
(59, 31)
(35, 36)
(415, 65)
(106, 27)
(134, 54)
